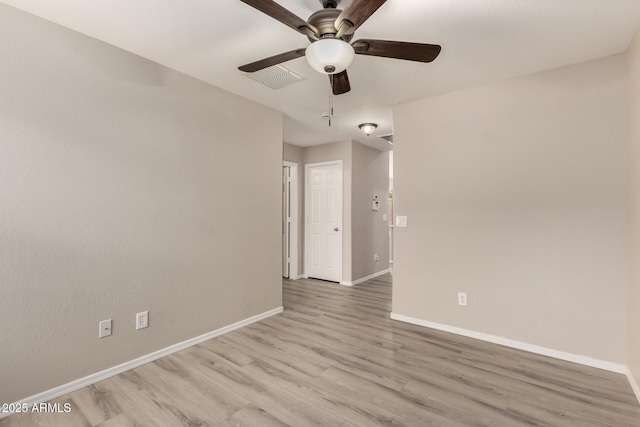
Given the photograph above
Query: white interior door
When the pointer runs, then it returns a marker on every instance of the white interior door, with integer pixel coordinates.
(290, 220)
(323, 221)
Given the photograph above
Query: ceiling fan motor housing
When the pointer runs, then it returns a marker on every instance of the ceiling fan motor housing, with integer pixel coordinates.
(324, 21)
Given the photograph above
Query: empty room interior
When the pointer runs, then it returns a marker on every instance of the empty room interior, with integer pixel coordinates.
(319, 212)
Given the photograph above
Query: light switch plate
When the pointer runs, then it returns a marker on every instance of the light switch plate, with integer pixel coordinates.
(401, 221)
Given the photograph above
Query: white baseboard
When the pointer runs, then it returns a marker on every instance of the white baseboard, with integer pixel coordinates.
(634, 384)
(108, 373)
(364, 279)
(570, 357)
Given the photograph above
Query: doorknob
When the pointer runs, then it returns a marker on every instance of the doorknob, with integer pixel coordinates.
(336, 229)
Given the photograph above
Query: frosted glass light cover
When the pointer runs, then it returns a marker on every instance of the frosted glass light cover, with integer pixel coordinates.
(368, 128)
(330, 56)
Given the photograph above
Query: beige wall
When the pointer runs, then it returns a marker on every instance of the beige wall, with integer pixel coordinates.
(515, 194)
(370, 234)
(292, 153)
(633, 156)
(123, 187)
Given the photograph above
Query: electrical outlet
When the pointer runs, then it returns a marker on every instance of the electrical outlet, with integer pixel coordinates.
(462, 298)
(142, 320)
(105, 328)
(401, 221)
(376, 258)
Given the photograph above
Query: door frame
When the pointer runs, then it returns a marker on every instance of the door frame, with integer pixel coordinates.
(307, 230)
(293, 230)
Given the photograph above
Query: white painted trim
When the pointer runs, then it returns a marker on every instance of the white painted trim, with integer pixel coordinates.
(293, 235)
(364, 279)
(570, 357)
(320, 164)
(634, 384)
(110, 372)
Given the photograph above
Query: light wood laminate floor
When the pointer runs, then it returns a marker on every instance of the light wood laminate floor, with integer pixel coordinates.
(334, 358)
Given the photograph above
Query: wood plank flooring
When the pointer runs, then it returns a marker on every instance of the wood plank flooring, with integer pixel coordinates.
(334, 358)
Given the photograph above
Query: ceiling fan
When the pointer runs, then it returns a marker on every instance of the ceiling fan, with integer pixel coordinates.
(330, 31)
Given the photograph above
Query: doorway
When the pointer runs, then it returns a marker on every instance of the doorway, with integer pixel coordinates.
(323, 220)
(290, 220)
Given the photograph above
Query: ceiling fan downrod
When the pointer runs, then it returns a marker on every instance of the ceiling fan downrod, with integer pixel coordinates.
(329, 4)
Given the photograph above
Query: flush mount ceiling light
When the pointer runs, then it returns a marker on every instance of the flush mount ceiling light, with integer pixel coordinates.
(330, 56)
(368, 128)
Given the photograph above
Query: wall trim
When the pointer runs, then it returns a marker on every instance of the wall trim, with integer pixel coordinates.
(364, 279)
(115, 370)
(532, 348)
(634, 384)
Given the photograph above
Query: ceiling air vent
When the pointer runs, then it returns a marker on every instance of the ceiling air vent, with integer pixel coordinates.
(388, 138)
(276, 77)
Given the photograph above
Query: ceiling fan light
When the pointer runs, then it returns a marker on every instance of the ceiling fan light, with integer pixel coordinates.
(330, 56)
(368, 128)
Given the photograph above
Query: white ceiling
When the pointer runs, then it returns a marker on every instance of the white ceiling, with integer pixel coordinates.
(482, 41)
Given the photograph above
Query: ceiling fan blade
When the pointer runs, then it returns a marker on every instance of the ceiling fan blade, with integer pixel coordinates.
(399, 50)
(340, 83)
(277, 12)
(358, 11)
(271, 61)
